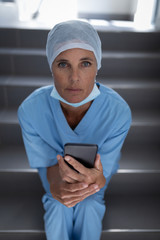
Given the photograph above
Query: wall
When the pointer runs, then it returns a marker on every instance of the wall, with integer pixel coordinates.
(107, 6)
(157, 21)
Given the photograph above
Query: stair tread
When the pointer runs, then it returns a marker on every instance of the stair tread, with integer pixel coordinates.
(113, 83)
(106, 234)
(13, 158)
(26, 212)
(133, 212)
(105, 53)
(134, 158)
(147, 117)
(22, 51)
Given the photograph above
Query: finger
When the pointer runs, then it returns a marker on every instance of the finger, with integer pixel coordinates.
(73, 203)
(70, 202)
(98, 164)
(69, 180)
(93, 188)
(80, 193)
(74, 175)
(89, 194)
(60, 160)
(74, 187)
(69, 173)
(76, 165)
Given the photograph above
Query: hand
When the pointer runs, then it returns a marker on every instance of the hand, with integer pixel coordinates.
(66, 193)
(87, 175)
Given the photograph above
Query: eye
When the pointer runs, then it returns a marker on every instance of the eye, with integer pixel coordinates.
(86, 64)
(62, 65)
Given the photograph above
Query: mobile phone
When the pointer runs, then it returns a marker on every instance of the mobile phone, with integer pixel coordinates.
(84, 153)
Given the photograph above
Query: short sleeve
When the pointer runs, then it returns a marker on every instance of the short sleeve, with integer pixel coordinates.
(39, 152)
(110, 151)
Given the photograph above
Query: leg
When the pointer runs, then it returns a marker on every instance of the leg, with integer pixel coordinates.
(88, 216)
(58, 219)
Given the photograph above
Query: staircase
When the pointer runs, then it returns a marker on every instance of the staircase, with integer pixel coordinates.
(131, 66)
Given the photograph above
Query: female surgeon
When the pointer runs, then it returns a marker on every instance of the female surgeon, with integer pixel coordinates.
(76, 109)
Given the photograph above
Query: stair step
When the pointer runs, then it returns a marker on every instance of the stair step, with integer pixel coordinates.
(128, 196)
(105, 54)
(132, 212)
(25, 235)
(135, 157)
(128, 40)
(21, 212)
(139, 95)
(24, 62)
(122, 183)
(130, 65)
(106, 234)
(121, 83)
(130, 234)
(147, 117)
(34, 62)
(14, 159)
(140, 132)
(140, 157)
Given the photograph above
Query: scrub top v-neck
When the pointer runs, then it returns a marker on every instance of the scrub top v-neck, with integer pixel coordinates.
(85, 123)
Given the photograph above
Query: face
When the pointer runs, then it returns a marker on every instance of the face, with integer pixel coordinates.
(74, 73)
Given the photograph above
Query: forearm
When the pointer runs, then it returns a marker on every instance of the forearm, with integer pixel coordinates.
(53, 174)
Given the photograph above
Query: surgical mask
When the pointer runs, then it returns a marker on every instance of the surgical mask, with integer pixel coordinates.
(95, 93)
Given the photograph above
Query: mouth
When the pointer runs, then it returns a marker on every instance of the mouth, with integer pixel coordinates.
(74, 90)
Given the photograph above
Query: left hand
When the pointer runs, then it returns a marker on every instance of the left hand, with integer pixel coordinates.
(86, 175)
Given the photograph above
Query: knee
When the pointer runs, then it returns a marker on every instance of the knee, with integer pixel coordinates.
(55, 212)
(92, 206)
(53, 206)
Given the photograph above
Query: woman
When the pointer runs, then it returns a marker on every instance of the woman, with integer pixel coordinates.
(77, 110)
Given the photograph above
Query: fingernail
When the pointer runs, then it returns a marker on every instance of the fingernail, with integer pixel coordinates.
(58, 157)
(96, 187)
(67, 158)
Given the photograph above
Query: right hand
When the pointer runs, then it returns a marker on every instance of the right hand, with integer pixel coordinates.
(68, 194)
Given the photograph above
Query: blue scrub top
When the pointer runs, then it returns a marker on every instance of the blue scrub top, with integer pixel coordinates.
(45, 129)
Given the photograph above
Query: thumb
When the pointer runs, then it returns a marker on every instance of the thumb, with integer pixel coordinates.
(98, 163)
(59, 158)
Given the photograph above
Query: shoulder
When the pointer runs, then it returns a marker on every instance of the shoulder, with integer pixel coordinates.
(116, 107)
(36, 102)
(112, 97)
(37, 97)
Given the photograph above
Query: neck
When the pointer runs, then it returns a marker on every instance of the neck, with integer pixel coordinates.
(74, 114)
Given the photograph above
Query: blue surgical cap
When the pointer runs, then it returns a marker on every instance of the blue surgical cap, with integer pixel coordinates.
(73, 34)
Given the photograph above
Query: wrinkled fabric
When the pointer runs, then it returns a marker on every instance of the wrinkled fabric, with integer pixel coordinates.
(73, 34)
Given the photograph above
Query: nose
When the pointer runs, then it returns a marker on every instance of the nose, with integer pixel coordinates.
(74, 75)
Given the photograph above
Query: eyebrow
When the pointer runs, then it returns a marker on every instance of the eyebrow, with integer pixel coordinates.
(62, 60)
(81, 59)
(86, 58)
